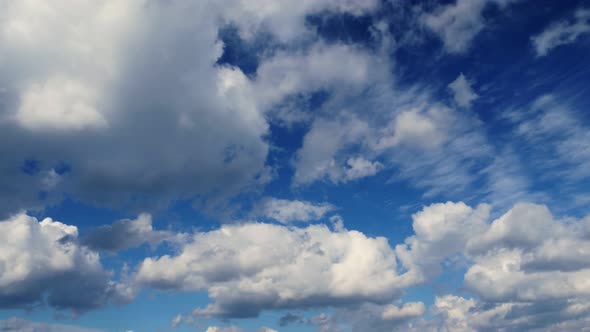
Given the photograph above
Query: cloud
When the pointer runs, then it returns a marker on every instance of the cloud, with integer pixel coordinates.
(411, 309)
(562, 33)
(286, 211)
(126, 233)
(133, 99)
(43, 263)
(291, 318)
(461, 314)
(415, 127)
(441, 230)
(360, 167)
(526, 269)
(555, 137)
(15, 324)
(253, 267)
(223, 329)
(457, 24)
(462, 91)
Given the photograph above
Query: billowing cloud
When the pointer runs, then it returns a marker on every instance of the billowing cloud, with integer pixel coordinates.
(130, 97)
(253, 267)
(562, 33)
(527, 268)
(41, 262)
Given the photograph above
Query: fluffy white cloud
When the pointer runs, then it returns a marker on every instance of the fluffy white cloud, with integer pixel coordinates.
(252, 267)
(527, 268)
(441, 231)
(562, 33)
(287, 211)
(42, 261)
(462, 91)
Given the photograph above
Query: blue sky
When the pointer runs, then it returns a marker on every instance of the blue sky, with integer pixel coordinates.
(330, 165)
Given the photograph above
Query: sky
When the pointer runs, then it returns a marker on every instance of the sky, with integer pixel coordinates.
(321, 165)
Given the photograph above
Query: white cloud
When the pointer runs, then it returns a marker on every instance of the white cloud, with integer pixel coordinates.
(441, 230)
(360, 167)
(253, 267)
(526, 268)
(411, 309)
(524, 261)
(462, 91)
(287, 211)
(562, 33)
(223, 329)
(315, 160)
(458, 23)
(415, 127)
(42, 261)
(59, 103)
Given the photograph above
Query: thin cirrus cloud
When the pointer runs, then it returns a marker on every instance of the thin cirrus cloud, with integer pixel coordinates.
(562, 33)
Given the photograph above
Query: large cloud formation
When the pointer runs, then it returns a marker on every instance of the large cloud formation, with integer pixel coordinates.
(525, 269)
(253, 267)
(123, 103)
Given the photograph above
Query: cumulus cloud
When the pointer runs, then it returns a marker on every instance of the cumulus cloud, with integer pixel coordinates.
(562, 33)
(287, 211)
(128, 97)
(253, 267)
(41, 261)
(462, 91)
(527, 268)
